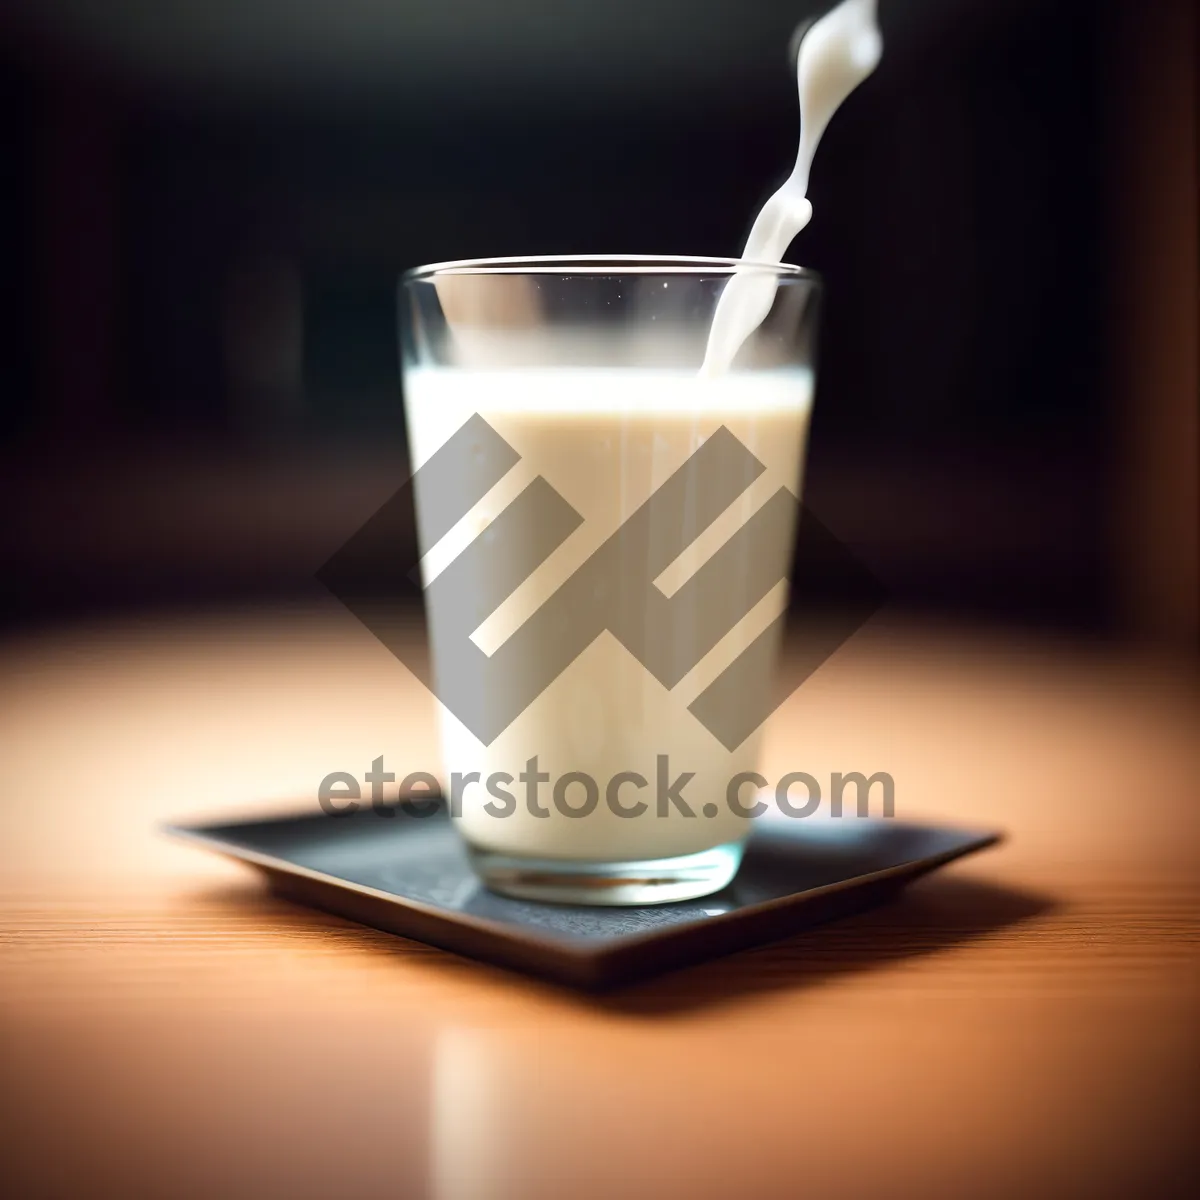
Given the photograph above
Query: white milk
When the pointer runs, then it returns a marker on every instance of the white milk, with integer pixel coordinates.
(836, 55)
(606, 439)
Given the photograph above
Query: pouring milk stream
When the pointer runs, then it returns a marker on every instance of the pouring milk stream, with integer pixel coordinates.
(836, 54)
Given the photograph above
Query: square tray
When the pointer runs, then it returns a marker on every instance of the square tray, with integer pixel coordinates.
(409, 875)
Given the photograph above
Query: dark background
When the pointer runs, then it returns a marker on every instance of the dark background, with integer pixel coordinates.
(206, 207)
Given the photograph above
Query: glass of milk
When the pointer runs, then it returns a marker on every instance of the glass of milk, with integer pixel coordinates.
(607, 535)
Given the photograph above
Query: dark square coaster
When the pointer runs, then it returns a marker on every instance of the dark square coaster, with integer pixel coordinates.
(409, 875)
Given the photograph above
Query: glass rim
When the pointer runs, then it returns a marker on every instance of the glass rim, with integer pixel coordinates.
(604, 265)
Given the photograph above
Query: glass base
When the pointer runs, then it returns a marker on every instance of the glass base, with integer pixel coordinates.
(650, 881)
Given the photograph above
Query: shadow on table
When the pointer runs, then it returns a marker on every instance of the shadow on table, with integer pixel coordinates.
(932, 916)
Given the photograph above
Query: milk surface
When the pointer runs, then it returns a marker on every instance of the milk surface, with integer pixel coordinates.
(606, 439)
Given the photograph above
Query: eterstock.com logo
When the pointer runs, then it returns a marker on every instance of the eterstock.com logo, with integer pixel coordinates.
(612, 592)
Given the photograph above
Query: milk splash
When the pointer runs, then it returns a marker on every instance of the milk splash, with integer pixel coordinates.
(838, 52)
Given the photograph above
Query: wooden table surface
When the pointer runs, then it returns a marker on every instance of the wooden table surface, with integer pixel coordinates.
(1024, 1022)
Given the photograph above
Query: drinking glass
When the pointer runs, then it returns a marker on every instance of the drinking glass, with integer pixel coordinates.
(606, 536)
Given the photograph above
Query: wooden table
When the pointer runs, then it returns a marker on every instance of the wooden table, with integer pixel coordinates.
(1024, 1023)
